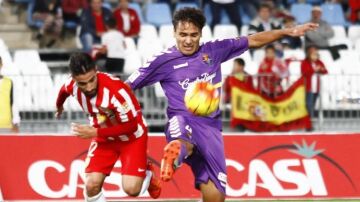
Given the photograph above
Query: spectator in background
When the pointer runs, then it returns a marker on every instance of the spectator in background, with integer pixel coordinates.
(290, 42)
(270, 74)
(321, 36)
(48, 11)
(127, 19)
(114, 48)
(72, 9)
(231, 8)
(354, 6)
(311, 69)
(238, 72)
(9, 114)
(93, 24)
(264, 21)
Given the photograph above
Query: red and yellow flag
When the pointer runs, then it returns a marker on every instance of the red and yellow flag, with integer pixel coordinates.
(261, 113)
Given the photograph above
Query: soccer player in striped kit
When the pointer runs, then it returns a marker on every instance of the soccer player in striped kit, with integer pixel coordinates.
(116, 126)
(192, 139)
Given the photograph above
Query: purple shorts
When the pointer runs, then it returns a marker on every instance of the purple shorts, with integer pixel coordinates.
(207, 161)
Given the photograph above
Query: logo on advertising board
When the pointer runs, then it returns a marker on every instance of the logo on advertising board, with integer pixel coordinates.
(299, 175)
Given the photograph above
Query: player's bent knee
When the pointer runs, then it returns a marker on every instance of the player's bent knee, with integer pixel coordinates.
(92, 188)
(132, 189)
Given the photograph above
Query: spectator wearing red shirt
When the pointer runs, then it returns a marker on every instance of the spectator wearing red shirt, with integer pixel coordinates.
(72, 9)
(354, 11)
(311, 69)
(270, 74)
(127, 19)
(238, 73)
(93, 24)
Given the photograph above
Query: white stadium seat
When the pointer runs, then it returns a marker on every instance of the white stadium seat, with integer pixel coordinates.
(354, 33)
(148, 49)
(166, 34)
(148, 31)
(130, 44)
(339, 31)
(225, 31)
(132, 62)
(206, 34)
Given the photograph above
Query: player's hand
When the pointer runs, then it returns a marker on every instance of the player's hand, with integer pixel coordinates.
(59, 111)
(300, 30)
(83, 131)
(15, 128)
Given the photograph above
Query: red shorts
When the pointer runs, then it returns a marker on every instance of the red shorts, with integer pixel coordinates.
(102, 156)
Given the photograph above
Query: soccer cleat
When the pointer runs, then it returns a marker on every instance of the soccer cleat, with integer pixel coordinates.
(154, 188)
(171, 153)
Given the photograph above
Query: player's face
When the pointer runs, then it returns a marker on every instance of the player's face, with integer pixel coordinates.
(87, 83)
(187, 37)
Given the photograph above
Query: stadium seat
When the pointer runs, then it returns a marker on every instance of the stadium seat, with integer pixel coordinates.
(315, 2)
(301, 12)
(180, 5)
(349, 62)
(295, 54)
(137, 8)
(357, 45)
(339, 31)
(226, 67)
(225, 31)
(153, 16)
(130, 44)
(354, 33)
(132, 62)
(3, 46)
(333, 14)
(258, 55)
(244, 30)
(341, 40)
(327, 59)
(166, 35)
(147, 49)
(295, 69)
(148, 31)
(206, 34)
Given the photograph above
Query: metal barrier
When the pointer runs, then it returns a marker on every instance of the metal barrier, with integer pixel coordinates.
(337, 109)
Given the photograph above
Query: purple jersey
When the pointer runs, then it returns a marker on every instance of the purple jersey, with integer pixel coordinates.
(176, 71)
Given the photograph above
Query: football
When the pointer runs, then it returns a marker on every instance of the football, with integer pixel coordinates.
(202, 98)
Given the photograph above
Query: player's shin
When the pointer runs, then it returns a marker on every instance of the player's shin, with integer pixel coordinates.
(97, 198)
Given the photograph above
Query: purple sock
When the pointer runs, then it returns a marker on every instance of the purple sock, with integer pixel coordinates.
(182, 156)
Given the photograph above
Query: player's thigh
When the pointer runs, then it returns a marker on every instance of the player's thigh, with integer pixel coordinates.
(210, 193)
(101, 157)
(178, 128)
(133, 157)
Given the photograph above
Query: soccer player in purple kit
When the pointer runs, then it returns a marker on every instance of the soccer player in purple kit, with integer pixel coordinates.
(193, 139)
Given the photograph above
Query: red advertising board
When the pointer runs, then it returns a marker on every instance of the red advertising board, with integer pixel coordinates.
(259, 166)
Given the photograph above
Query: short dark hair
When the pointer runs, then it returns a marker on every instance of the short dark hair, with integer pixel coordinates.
(270, 46)
(264, 5)
(187, 14)
(111, 22)
(240, 61)
(80, 63)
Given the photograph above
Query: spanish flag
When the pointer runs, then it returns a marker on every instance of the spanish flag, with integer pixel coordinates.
(261, 113)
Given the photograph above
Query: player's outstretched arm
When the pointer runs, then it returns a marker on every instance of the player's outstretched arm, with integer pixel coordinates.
(262, 38)
(62, 96)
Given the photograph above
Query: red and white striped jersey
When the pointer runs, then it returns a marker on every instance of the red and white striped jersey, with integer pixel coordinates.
(114, 105)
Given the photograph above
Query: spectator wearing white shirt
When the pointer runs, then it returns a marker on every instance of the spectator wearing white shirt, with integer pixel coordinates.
(114, 46)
